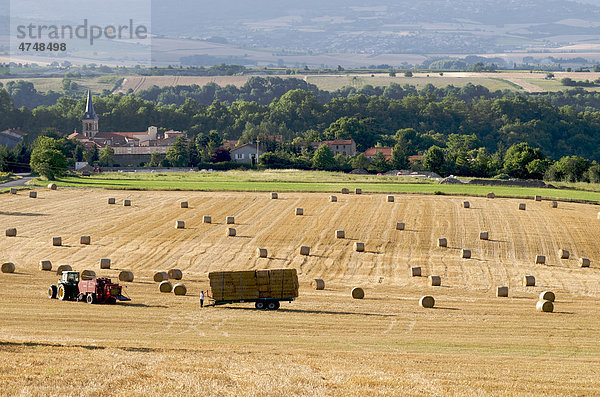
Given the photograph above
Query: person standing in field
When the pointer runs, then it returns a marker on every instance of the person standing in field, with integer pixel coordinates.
(201, 298)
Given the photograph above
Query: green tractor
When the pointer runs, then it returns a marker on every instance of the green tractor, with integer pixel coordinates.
(67, 287)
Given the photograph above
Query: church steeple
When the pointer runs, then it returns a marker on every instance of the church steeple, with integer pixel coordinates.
(90, 119)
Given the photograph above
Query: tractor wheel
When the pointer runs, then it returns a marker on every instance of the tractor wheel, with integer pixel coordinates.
(62, 294)
(91, 298)
(80, 298)
(52, 292)
(111, 301)
(273, 305)
(260, 305)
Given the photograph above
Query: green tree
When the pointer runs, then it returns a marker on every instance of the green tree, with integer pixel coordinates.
(46, 159)
(379, 163)
(361, 162)
(107, 157)
(571, 168)
(323, 159)
(434, 159)
(517, 158)
(178, 154)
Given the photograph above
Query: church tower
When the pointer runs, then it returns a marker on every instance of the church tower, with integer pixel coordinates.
(90, 119)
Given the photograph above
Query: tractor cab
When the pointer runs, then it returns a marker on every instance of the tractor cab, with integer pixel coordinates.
(70, 278)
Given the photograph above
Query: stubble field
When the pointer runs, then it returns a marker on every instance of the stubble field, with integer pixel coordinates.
(325, 343)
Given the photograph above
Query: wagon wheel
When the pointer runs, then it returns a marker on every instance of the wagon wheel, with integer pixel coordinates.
(260, 305)
(91, 299)
(273, 305)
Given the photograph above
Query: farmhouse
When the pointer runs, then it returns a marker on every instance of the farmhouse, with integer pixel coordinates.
(245, 153)
(11, 137)
(371, 152)
(346, 147)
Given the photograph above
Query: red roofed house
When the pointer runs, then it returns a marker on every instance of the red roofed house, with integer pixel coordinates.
(371, 152)
(346, 147)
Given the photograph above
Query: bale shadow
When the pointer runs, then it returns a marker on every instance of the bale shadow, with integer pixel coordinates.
(241, 236)
(497, 241)
(21, 214)
(373, 252)
(567, 313)
(445, 308)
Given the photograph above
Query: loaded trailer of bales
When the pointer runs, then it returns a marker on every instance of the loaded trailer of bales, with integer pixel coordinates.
(266, 288)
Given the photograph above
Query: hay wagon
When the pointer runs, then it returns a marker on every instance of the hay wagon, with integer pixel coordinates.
(265, 288)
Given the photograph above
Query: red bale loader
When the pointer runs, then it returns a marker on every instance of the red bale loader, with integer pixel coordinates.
(100, 290)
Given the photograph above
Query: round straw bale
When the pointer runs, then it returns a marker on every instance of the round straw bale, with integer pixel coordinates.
(299, 211)
(230, 220)
(554, 204)
(540, 259)
(564, 254)
(333, 199)
(585, 262)
(340, 234)
(442, 242)
(261, 252)
(427, 302)
(126, 203)
(274, 196)
(522, 206)
(126, 276)
(415, 271)
(88, 274)
(85, 240)
(13, 190)
(160, 276)
(179, 289)
(184, 204)
(502, 292)
(484, 235)
(45, 266)
(231, 232)
(491, 195)
(8, 267)
(435, 281)
(12, 232)
(175, 274)
(547, 296)
(359, 247)
(305, 250)
(466, 204)
(206, 219)
(528, 281)
(33, 194)
(345, 191)
(390, 199)
(52, 186)
(466, 253)
(56, 241)
(63, 268)
(112, 200)
(400, 226)
(318, 284)
(357, 293)
(165, 286)
(538, 198)
(358, 191)
(545, 306)
(105, 263)
(179, 224)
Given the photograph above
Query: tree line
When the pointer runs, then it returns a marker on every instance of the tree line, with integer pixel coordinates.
(462, 131)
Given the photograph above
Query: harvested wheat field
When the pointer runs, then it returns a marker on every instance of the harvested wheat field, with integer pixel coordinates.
(325, 343)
